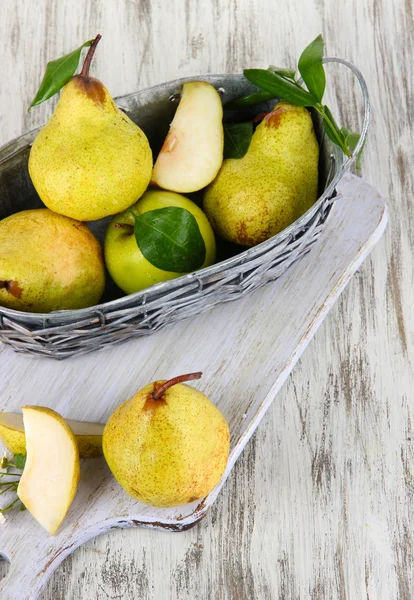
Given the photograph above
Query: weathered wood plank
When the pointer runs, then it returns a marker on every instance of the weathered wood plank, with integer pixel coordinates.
(321, 503)
(257, 340)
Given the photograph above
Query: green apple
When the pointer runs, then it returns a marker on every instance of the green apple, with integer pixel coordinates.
(126, 263)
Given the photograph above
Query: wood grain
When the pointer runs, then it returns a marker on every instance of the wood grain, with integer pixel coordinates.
(321, 503)
(258, 340)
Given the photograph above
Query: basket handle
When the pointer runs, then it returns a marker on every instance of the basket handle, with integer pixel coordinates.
(367, 108)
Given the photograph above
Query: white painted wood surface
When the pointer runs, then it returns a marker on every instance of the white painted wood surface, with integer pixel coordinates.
(257, 340)
(320, 505)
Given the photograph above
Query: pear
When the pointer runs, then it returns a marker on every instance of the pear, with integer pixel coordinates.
(48, 262)
(256, 196)
(50, 478)
(168, 444)
(193, 149)
(90, 160)
(88, 436)
(126, 264)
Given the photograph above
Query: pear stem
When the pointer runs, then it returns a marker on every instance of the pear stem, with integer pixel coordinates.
(89, 57)
(160, 390)
(12, 287)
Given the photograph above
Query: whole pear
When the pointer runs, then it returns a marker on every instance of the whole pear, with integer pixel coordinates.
(255, 197)
(48, 262)
(90, 160)
(168, 444)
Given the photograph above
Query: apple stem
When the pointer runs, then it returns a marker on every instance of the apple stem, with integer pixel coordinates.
(89, 56)
(160, 389)
(12, 287)
(124, 226)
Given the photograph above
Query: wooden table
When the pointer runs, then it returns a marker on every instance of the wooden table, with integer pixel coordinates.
(320, 505)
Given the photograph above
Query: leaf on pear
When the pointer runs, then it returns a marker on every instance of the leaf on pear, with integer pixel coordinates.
(237, 138)
(57, 74)
(280, 87)
(280, 83)
(351, 141)
(249, 100)
(332, 130)
(170, 239)
(311, 68)
(286, 73)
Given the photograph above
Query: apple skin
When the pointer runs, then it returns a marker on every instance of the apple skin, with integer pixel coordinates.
(124, 260)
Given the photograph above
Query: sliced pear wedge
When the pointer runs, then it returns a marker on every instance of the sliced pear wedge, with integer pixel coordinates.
(192, 153)
(88, 435)
(50, 478)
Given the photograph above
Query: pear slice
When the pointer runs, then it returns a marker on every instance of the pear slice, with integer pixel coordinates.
(50, 478)
(88, 435)
(192, 153)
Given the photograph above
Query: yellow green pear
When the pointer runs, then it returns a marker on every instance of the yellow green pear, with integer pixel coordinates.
(51, 474)
(255, 197)
(90, 160)
(88, 436)
(48, 262)
(193, 149)
(126, 264)
(168, 444)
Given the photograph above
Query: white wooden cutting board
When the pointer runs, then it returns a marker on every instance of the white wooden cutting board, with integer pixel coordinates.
(246, 350)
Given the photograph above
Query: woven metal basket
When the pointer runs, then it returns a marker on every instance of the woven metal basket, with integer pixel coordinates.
(68, 333)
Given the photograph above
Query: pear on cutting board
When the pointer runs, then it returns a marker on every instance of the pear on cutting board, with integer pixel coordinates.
(168, 444)
(88, 436)
(193, 149)
(90, 160)
(50, 478)
(48, 262)
(255, 197)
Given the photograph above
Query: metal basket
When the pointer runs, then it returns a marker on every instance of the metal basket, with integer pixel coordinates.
(62, 334)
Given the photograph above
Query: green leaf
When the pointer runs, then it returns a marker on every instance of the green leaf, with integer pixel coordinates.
(58, 72)
(286, 73)
(332, 130)
(170, 239)
(351, 140)
(249, 100)
(281, 83)
(237, 138)
(280, 87)
(311, 68)
(19, 461)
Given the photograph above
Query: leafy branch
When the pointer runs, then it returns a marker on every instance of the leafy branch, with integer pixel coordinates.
(57, 74)
(282, 83)
(11, 471)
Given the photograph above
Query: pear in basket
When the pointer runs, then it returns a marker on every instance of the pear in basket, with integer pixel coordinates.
(90, 160)
(255, 197)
